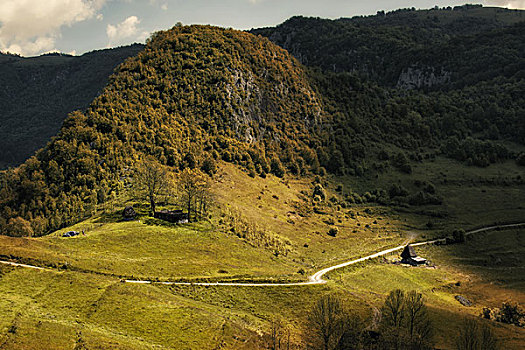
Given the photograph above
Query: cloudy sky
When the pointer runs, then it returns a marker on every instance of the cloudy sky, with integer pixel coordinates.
(32, 27)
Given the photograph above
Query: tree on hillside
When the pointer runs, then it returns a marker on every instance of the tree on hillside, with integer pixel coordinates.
(151, 181)
(405, 323)
(393, 310)
(19, 227)
(472, 336)
(279, 336)
(194, 192)
(325, 323)
(417, 320)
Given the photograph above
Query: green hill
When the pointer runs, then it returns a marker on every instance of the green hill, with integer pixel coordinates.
(309, 167)
(193, 94)
(37, 93)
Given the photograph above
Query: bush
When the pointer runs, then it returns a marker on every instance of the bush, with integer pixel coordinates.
(319, 191)
(19, 227)
(396, 190)
(459, 236)
(472, 336)
(208, 166)
(277, 167)
(333, 232)
(520, 160)
(511, 314)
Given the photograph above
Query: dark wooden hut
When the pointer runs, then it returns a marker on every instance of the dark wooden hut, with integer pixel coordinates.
(176, 216)
(409, 256)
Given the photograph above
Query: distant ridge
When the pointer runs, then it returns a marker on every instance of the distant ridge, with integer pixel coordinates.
(37, 93)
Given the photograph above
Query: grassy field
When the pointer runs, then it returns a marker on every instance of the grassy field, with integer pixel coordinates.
(80, 302)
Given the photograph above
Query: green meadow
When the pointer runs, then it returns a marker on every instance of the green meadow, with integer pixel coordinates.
(80, 302)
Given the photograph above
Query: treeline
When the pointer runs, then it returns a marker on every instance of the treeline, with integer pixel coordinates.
(467, 44)
(467, 73)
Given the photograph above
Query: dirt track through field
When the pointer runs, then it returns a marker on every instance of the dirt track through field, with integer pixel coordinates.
(316, 278)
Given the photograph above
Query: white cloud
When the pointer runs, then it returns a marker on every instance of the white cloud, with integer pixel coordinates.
(163, 4)
(511, 4)
(125, 31)
(30, 27)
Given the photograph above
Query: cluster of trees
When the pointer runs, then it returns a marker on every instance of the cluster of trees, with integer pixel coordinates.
(236, 223)
(153, 182)
(480, 100)
(474, 151)
(510, 313)
(402, 323)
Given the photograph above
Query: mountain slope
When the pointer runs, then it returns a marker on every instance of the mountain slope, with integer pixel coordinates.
(193, 94)
(37, 93)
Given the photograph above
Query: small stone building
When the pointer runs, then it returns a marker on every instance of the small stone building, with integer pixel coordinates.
(129, 213)
(175, 216)
(409, 256)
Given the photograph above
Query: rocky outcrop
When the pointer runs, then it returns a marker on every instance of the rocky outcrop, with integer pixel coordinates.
(422, 77)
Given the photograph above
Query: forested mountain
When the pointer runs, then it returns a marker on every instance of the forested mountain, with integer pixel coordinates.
(409, 48)
(455, 74)
(194, 94)
(37, 93)
(376, 93)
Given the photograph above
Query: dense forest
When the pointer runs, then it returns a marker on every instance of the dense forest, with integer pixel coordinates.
(450, 78)
(37, 93)
(374, 93)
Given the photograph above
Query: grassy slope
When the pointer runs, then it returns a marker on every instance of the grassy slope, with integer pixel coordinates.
(487, 268)
(59, 309)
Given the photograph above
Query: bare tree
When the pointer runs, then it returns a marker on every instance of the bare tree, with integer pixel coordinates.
(405, 323)
(352, 332)
(194, 191)
(279, 335)
(393, 311)
(472, 336)
(151, 181)
(417, 321)
(326, 322)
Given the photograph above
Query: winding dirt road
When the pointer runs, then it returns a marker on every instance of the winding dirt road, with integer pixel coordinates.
(316, 278)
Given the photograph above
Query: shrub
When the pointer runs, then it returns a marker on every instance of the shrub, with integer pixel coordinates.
(277, 167)
(520, 160)
(459, 236)
(19, 227)
(319, 191)
(208, 166)
(333, 232)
